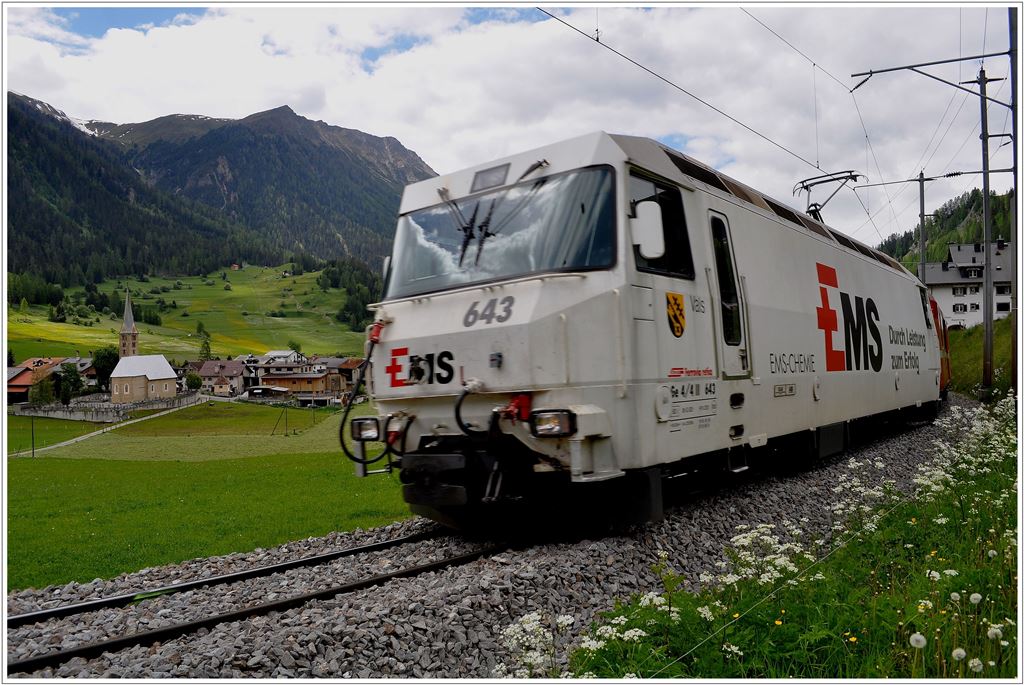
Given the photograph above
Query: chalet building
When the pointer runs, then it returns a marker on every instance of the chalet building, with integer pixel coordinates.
(336, 384)
(230, 371)
(222, 387)
(19, 382)
(958, 281)
(42, 366)
(129, 344)
(85, 369)
(250, 373)
(142, 377)
(306, 388)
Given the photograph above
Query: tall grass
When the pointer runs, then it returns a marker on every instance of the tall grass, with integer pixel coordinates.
(924, 587)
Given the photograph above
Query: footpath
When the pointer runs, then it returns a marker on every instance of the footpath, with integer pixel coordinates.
(115, 426)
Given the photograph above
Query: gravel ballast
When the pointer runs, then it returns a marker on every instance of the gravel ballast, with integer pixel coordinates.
(445, 624)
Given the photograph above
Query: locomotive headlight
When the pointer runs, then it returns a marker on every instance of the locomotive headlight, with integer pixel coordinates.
(552, 423)
(365, 429)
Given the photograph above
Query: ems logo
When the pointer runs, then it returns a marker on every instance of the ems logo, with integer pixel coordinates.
(675, 308)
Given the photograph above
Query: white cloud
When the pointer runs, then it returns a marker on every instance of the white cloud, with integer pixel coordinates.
(459, 93)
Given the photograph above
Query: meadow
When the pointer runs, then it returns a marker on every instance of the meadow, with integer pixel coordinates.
(202, 481)
(47, 431)
(967, 351)
(236, 319)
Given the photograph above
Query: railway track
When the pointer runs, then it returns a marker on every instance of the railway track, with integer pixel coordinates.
(170, 632)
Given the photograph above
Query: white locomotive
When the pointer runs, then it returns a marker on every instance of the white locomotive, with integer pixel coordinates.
(596, 315)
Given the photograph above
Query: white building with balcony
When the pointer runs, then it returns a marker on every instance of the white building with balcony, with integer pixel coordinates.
(957, 282)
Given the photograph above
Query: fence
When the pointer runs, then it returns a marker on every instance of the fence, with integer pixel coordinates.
(102, 412)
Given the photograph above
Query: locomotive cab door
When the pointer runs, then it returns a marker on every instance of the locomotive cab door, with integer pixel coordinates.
(731, 338)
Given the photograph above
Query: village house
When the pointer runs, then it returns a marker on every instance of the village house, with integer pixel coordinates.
(19, 382)
(230, 371)
(306, 388)
(958, 281)
(142, 377)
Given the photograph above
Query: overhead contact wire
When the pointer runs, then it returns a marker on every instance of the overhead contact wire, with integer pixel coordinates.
(681, 89)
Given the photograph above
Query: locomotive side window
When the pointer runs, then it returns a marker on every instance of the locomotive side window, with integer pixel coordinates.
(924, 307)
(732, 331)
(677, 260)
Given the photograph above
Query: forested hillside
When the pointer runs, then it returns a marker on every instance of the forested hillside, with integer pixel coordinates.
(305, 186)
(957, 221)
(78, 212)
(188, 194)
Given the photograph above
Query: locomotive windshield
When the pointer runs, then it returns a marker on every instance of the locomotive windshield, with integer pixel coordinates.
(563, 222)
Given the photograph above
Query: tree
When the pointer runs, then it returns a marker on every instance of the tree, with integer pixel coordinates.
(41, 391)
(23, 307)
(294, 345)
(204, 349)
(193, 381)
(104, 360)
(10, 357)
(201, 330)
(71, 383)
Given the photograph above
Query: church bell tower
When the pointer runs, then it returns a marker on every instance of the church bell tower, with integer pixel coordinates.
(129, 333)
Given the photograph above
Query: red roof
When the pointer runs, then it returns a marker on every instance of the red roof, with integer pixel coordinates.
(351, 363)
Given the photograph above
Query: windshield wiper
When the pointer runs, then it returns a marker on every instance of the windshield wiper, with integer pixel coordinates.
(485, 232)
(467, 233)
(467, 226)
(460, 220)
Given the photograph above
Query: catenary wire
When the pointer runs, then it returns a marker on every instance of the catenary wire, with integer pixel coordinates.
(860, 117)
(683, 90)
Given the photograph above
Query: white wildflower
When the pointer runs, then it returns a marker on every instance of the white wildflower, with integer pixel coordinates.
(941, 520)
(959, 654)
(1003, 643)
(933, 575)
(706, 613)
(951, 572)
(975, 598)
(591, 645)
(629, 676)
(731, 650)
(607, 632)
(652, 599)
(633, 635)
(588, 675)
(619, 621)
(918, 641)
(564, 621)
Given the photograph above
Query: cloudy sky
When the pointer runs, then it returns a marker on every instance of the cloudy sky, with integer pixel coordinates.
(463, 85)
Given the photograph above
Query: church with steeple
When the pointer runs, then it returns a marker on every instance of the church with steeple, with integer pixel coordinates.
(129, 346)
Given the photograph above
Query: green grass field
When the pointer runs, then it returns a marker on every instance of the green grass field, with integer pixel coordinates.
(198, 482)
(47, 431)
(236, 318)
(967, 351)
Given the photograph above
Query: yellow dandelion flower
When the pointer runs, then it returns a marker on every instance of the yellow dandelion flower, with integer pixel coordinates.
(735, 615)
(933, 552)
(783, 611)
(853, 638)
(778, 622)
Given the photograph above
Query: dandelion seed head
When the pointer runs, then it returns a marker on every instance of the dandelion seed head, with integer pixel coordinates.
(975, 598)
(918, 641)
(959, 654)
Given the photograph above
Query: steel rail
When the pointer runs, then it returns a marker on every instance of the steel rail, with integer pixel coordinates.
(18, 620)
(150, 637)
